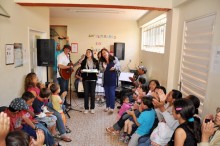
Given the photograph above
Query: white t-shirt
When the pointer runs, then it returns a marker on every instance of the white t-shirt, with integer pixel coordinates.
(62, 59)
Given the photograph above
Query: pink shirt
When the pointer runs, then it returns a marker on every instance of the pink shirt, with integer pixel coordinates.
(35, 89)
(124, 108)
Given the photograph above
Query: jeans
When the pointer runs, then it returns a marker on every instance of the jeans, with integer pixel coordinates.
(59, 123)
(89, 91)
(63, 86)
(76, 84)
(110, 96)
(49, 140)
(144, 141)
(134, 140)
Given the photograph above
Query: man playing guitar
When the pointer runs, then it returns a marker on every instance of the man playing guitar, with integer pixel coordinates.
(63, 62)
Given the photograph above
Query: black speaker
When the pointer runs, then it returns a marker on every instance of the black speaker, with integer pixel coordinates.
(119, 50)
(45, 52)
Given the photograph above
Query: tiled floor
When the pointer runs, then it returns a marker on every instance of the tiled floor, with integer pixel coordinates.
(89, 129)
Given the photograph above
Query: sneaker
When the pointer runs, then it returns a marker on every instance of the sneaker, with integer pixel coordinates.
(105, 110)
(122, 137)
(126, 140)
(102, 100)
(92, 111)
(111, 111)
(86, 111)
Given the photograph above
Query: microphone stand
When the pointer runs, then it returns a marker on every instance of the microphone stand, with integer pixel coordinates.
(70, 107)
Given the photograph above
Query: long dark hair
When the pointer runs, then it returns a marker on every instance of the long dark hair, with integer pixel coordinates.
(111, 58)
(29, 81)
(155, 81)
(196, 102)
(176, 94)
(93, 58)
(186, 109)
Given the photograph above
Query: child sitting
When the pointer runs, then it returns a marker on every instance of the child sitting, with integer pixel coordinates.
(40, 109)
(145, 121)
(125, 106)
(57, 100)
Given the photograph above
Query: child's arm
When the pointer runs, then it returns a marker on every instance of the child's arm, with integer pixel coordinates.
(134, 117)
(63, 95)
(28, 122)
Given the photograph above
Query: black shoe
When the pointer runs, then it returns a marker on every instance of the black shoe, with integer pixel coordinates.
(118, 107)
(67, 104)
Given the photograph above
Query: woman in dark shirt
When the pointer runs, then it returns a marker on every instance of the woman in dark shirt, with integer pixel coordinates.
(89, 80)
(111, 66)
(188, 133)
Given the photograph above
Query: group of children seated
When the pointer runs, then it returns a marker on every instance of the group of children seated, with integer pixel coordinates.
(153, 118)
(41, 108)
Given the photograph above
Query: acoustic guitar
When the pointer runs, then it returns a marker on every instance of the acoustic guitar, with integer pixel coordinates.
(66, 73)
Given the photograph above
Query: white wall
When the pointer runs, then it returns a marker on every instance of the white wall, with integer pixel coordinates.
(156, 63)
(15, 30)
(125, 31)
(190, 10)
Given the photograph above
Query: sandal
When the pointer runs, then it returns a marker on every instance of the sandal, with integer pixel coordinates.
(109, 130)
(57, 136)
(68, 130)
(115, 132)
(66, 139)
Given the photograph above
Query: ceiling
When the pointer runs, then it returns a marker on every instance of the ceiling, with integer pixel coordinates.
(100, 13)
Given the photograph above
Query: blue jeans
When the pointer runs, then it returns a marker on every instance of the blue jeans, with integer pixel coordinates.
(110, 96)
(59, 123)
(89, 91)
(63, 86)
(144, 141)
(49, 140)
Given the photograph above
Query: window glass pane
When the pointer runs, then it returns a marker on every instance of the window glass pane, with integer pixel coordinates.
(153, 35)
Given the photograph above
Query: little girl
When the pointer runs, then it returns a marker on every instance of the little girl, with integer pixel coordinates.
(152, 85)
(125, 106)
(32, 85)
(57, 100)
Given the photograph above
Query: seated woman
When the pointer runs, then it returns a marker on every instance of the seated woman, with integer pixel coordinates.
(211, 130)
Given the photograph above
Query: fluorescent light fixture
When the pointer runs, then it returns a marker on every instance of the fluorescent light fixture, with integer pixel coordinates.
(98, 11)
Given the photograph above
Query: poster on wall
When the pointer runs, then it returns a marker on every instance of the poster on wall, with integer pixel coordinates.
(9, 54)
(18, 54)
(74, 47)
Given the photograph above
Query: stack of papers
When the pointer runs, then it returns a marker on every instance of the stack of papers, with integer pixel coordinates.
(90, 71)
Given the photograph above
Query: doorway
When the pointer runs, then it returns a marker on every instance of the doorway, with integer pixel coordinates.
(39, 70)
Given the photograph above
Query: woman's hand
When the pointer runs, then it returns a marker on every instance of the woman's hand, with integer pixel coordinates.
(112, 69)
(161, 95)
(40, 139)
(207, 130)
(4, 126)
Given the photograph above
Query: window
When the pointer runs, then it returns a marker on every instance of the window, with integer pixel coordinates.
(197, 46)
(153, 34)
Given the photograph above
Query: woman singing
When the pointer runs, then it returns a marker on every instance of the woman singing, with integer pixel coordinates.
(110, 65)
(89, 80)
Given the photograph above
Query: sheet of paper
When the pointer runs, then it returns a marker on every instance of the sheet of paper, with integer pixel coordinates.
(124, 76)
(90, 70)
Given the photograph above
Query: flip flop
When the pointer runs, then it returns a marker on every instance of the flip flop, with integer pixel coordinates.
(66, 139)
(108, 130)
(115, 133)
